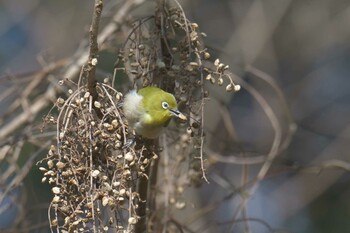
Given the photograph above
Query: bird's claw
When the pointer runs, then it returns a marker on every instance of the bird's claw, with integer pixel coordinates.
(130, 142)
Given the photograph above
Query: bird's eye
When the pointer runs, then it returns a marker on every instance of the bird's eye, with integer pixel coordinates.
(165, 105)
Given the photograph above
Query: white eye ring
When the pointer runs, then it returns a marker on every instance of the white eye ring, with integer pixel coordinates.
(165, 105)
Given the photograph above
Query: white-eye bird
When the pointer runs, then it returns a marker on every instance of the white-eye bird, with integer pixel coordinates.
(149, 110)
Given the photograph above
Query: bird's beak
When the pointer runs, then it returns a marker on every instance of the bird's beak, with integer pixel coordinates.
(178, 114)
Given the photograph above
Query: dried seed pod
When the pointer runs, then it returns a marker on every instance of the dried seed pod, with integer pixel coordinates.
(229, 87)
(60, 165)
(118, 145)
(119, 96)
(220, 81)
(180, 205)
(145, 161)
(122, 192)
(42, 169)
(216, 62)
(97, 104)
(141, 47)
(194, 64)
(194, 26)
(80, 122)
(180, 189)
(60, 101)
(77, 101)
(49, 173)
(107, 125)
(56, 190)
(53, 148)
(54, 222)
(94, 61)
(55, 199)
(189, 68)
(132, 220)
(116, 183)
(126, 172)
(144, 61)
(208, 77)
(95, 173)
(105, 200)
(193, 35)
(115, 123)
(97, 132)
(221, 66)
(237, 87)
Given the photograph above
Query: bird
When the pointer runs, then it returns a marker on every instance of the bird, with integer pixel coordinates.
(149, 110)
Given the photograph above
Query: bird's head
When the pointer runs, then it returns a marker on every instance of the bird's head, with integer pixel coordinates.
(159, 105)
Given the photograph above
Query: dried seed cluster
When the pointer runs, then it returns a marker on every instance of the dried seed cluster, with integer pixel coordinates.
(168, 51)
(91, 173)
(89, 170)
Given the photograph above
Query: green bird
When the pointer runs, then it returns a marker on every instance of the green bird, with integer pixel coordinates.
(149, 110)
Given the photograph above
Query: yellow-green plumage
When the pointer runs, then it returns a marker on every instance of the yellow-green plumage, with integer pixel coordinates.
(149, 110)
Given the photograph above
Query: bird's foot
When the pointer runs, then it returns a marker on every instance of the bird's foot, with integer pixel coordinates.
(130, 142)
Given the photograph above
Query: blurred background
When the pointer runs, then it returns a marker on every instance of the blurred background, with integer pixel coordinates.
(295, 54)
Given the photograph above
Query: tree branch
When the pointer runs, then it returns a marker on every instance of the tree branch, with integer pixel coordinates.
(92, 61)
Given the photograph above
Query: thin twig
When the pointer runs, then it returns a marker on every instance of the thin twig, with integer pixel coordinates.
(274, 147)
(328, 164)
(91, 170)
(204, 176)
(268, 79)
(92, 61)
(142, 189)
